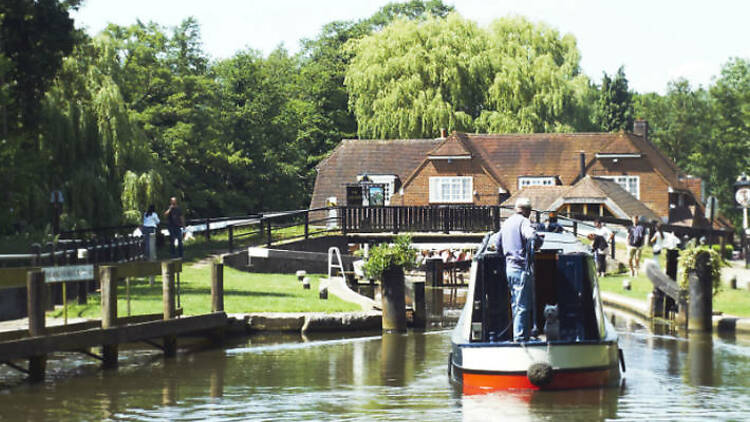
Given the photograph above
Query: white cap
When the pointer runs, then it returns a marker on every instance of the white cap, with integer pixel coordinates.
(523, 202)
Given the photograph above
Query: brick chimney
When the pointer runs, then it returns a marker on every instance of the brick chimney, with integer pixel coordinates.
(582, 168)
(640, 128)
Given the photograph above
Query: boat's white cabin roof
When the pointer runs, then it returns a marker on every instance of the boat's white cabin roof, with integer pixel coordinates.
(565, 242)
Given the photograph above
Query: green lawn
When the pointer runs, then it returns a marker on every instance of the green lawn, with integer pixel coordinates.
(731, 302)
(243, 292)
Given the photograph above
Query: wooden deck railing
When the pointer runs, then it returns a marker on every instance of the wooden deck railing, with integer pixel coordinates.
(394, 219)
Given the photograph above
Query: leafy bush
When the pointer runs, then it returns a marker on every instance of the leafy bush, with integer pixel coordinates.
(384, 256)
(728, 249)
(688, 263)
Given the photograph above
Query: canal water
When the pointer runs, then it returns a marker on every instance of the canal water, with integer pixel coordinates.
(373, 377)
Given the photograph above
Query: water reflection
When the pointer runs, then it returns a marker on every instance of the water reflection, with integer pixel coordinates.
(392, 362)
(589, 405)
(700, 356)
(390, 377)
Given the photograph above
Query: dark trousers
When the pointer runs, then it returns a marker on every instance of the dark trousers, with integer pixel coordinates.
(601, 261)
(175, 233)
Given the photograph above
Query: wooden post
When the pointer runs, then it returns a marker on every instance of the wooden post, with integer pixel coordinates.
(35, 307)
(701, 295)
(231, 238)
(208, 228)
(307, 224)
(269, 239)
(51, 296)
(394, 305)
(420, 309)
(395, 220)
(434, 272)
(575, 228)
(343, 215)
(168, 300)
(108, 281)
(217, 287)
(671, 269)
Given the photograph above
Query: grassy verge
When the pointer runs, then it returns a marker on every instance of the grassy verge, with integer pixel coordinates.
(199, 247)
(243, 292)
(731, 302)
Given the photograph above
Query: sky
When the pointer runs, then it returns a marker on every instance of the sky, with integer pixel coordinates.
(656, 40)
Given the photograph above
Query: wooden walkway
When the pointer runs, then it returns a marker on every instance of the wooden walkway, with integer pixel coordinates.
(159, 330)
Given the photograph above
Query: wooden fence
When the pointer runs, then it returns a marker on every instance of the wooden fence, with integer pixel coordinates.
(468, 218)
(33, 345)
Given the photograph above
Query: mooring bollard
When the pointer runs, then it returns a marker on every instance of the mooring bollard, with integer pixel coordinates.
(701, 290)
(217, 287)
(394, 303)
(323, 290)
(420, 307)
(35, 307)
(217, 297)
(108, 281)
(434, 272)
(168, 300)
(301, 275)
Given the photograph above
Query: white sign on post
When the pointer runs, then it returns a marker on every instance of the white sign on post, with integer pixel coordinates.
(68, 273)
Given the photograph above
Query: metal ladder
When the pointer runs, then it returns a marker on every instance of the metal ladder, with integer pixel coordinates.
(331, 264)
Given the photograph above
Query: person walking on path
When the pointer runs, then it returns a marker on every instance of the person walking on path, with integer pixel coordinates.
(175, 224)
(150, 223)
(657, 241)
(636, 236)
(516, 233)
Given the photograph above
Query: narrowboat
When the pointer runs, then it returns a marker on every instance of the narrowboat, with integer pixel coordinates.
(573, 344)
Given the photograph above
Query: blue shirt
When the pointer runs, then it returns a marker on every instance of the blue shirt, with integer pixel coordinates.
(514, 234)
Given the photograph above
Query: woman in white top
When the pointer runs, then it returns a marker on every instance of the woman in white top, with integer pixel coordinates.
(657, 241)
(150, 223)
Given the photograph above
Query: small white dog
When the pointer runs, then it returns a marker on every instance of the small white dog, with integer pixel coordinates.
(551, 322)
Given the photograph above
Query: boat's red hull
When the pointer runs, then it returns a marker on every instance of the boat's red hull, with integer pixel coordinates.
(480, 383)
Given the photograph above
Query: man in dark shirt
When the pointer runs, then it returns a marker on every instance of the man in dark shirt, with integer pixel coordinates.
(175, 223)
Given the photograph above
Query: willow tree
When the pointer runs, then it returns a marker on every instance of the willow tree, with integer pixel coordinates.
(90, 141)
(413, 78)
(536, 84)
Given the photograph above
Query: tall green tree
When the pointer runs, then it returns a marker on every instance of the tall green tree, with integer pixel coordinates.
(679, 120)
(413, 78)
(323, 67)
(726, 154)
(169, 89)
(614, 110)
(261, 118)
(34, 38)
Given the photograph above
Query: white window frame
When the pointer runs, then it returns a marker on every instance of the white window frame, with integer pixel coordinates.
(389, 180)
(524, 181)
(626, 182)
(452, 190)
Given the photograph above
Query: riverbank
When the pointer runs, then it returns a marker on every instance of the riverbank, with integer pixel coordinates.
(721, 323)
(243, 293)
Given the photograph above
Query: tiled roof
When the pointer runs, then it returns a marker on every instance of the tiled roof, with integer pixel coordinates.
(505, 156)
(539, 154)
(589, 189)
(354, 157)
(450, 147)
